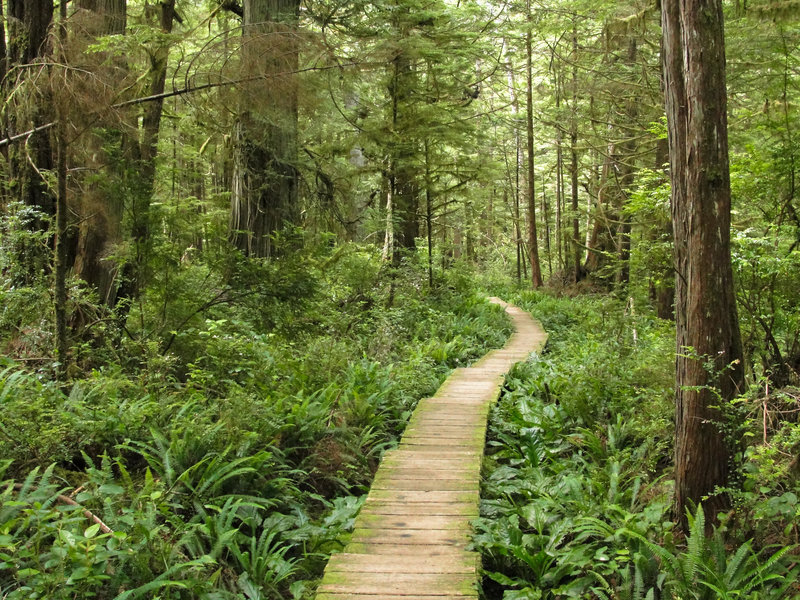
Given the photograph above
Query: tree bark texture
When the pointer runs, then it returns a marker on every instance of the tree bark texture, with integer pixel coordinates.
(533, 239)
(405, 187)
(265, 181)
(3, 116)
(100, 212)
(625, 177)
(112, 15)
(60, 274)
(27, 24)
(709, 369)
(573, 168)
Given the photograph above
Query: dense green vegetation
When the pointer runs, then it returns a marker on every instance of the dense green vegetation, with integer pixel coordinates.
(240, 239)
(233, 470)
(578, 475)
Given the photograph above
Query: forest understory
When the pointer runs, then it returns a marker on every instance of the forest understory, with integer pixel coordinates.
(240, 240)
(237, 472)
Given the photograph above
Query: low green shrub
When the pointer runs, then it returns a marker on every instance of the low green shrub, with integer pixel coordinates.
(229, 449)
(576, 496)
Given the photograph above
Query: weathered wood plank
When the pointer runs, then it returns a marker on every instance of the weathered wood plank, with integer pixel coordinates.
(385, 596)
(414, 537)
(390, 482)
(389, 549)
(464, 509)
(387, 563)
(411, 537)
(399, 583)
(414, 521)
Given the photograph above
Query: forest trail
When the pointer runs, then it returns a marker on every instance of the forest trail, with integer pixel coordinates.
(410, 538)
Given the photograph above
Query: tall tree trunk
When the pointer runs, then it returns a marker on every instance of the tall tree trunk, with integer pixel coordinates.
(625, 177)
(662, 286)
(518, 216)
(100, 213)
(134, 273)
(559, 219)
(559, 200)
(573, 169)
(3, 116)
(469, 231)
(533, 239)
(60, 271)
(512, 92)
(709, 368)
(265, 181)
(546, 216)
(490, 217)
(429, 212)
(388, 236)
(27, 25)
(403, 164)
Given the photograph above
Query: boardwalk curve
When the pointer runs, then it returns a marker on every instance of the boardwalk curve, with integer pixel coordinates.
(411, 536)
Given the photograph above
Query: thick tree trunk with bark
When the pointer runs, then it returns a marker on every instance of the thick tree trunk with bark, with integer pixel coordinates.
(100, 214)
(709, 369)
(265, 181)
(533, 238)
(60, 274)
(27, 23)
(403, 180)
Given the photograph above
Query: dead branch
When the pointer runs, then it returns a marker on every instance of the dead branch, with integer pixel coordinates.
(86, 513)
(179, 92)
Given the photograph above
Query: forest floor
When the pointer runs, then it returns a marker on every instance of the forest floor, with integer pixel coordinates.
(412, 534)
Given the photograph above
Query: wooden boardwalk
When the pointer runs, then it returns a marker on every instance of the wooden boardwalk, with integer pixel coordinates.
(410, 539)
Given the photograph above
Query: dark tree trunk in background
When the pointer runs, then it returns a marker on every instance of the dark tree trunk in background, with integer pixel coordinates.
(112, 15)
(429, 212)
(151, 125)
(573, 167)
(134, 274)
(3, 117)
(405, 188)
(60, 270)
(99, 213)
(625, 175)
(707, 325)
(533, 238)
(662, 289)
(28, 22)
(265, 181)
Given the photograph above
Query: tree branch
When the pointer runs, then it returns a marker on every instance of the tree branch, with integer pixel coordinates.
(233, 6)
(179, 92)
(86, 513)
